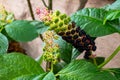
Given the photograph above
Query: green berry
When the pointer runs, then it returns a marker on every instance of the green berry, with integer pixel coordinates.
(60, 24)
(56, 20)
(63, 28)
(57, 13)
(66, 21)
(68, 18)
(62, 16)
(52, 26)
(57, 29)
(47, 23)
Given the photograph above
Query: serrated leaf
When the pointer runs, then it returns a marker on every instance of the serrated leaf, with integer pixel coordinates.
(65, 50)
(83, 70)
(91, 20)
(3, 44)
(21, 30)
(41, 27)
(16, 64)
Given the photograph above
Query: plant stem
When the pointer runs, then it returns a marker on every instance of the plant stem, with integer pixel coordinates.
(51, 67)
(94, 60)
(50, 4)
(30, 8)
(44, 3)
(110, 57)
(1, 28)
(82, 4)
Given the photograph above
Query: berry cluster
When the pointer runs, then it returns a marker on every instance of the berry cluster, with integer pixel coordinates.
(79, 39)
(51, 49)
(60, 23)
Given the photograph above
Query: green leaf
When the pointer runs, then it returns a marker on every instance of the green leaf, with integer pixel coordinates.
(115, 5)
(57, 67)
(49, 76)
(41, 27)
(3, 44)
(16, 64)
(113, 14)
(116, 72)
(26, 77)
(91, 20)
(65, 50)
(83, 70)
(21, 30)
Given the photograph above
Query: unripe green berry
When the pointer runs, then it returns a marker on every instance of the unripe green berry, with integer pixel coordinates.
(56, 20)
(52, 26)
(62, 16)
(63, 28)
(66, 21)
(57, 13)
(68, 18)
(57, 29)
(47, 23)
(60, 23)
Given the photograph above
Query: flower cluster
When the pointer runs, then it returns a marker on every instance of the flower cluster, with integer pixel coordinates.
(51, 49)
(62, 25)
(44, 14)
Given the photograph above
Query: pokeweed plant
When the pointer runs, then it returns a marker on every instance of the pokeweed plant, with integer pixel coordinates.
(65, 38)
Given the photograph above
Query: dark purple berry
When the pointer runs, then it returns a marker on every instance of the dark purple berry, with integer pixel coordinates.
(61, 33)
(73, 24)
(94, 48)
(83, 32)
(77, 29)
(68, 33)
(84, 39)
(87, 54)
(72, 31)
(75, 36)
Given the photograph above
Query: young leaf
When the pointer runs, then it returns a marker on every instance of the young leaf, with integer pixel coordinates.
(91, 20)
(3, 44)
(21, 30)
(83, 70)
(41, 27)
(16, 64)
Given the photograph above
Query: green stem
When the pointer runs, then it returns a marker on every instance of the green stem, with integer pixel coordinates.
(1, 28)
(51, 67)
(30, 8)
(94, 60)
(110, 57)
